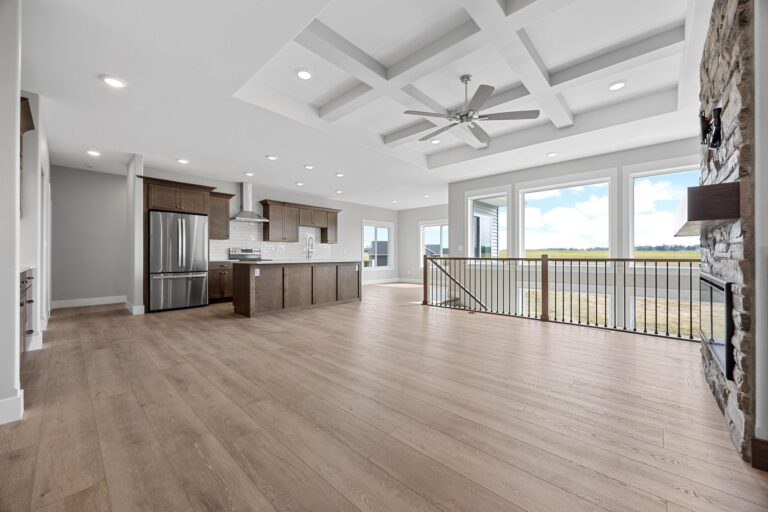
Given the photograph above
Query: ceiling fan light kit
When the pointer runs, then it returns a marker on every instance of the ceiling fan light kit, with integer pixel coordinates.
(469, 113)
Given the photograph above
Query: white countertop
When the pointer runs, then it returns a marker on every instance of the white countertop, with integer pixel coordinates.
(292, 262)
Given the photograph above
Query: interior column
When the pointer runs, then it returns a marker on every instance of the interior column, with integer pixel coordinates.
(11, 396)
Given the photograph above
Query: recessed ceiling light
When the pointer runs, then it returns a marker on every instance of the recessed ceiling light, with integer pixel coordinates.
(299, 184)
(615, 86)
(339, 174)
(394, 201)
(93, 153)
(552, 154)
(426, 196)
(303, 74)
(271, 158)
(435, 141)
(113, 81)
(248, 173)
(339, 191)
(182, 161)
(309, 167)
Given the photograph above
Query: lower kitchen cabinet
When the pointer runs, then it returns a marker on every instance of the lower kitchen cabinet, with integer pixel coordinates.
(349, 281)
(219, 280)
(297, 286)
(262, 287)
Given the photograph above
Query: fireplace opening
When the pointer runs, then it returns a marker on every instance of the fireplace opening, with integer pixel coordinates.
(716, 303)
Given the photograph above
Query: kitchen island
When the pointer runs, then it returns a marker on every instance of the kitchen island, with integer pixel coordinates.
(263, 286)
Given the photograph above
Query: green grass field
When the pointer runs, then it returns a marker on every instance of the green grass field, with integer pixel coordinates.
(604, 254)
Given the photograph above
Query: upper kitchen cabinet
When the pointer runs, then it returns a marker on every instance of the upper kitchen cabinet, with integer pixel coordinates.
(218, 216)
(175, 196)
(283, 225)
(285, 219)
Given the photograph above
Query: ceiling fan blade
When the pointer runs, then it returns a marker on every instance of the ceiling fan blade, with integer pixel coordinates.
(427, 114)
(481, 96)
(438, 132)
(511, 116)
(479, 133)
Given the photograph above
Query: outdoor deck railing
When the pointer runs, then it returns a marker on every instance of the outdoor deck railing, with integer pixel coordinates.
(649, 296)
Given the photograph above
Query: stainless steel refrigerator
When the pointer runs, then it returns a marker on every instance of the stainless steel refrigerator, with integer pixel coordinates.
(178, 260)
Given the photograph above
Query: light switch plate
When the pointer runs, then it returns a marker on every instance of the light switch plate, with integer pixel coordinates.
(256, 272)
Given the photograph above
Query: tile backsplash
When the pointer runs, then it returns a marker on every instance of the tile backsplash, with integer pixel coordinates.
(249, 236)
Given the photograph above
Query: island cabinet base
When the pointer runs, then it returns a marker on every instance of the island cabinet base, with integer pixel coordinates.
(263, 287)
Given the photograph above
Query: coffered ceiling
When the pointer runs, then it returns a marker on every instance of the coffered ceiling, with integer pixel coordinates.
(193, 64)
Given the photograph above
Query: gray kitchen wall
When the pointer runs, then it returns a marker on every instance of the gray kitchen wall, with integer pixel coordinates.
(409, 251)
(351, 218)
(89, 243)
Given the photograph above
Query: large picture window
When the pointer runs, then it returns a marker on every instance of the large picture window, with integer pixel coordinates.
(489, 227)
(656, 200)
(568, 222)
(377, 245)
(434, 239)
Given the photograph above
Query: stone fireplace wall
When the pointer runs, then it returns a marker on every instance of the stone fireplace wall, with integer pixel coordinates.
(727, 81)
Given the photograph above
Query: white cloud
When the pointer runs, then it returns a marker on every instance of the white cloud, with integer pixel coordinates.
(648, 192)
(543, 194)
(582, 226)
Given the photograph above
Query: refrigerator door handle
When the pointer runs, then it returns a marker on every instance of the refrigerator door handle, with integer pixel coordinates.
(179, 239)
(179, 276)
(184, 241)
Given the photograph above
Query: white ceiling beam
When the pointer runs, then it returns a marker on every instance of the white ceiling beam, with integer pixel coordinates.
(639, 53)
(697, 15)
(642, 107)
(517, 50)
(448, 48)
(407, 134)
(522, 13)
(347, 102)
(324, 42)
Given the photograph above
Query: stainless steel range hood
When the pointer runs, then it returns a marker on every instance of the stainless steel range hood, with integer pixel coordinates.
(246, 213)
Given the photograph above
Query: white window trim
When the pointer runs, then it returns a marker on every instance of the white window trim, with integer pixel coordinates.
(608, 175)
(392, 244)
(470, 196)
(426, 224)
(628, 192)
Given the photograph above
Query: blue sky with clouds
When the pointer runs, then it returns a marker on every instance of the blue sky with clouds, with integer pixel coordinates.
(577, 217)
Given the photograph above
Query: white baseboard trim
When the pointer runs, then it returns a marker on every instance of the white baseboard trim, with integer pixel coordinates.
(12, 408)
(93, 301)
(380, 281)
(134, 310)
(412, 281)
(34, 341)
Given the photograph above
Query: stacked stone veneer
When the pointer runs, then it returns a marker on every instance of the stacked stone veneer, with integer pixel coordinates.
(728, 252)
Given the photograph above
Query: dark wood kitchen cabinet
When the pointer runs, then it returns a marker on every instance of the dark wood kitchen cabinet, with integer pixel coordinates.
(285, 219)
(218, 216)
(283, 225)
(349, 281)
(313, 218)
(219, 280)
(175, 196)
(330, 234)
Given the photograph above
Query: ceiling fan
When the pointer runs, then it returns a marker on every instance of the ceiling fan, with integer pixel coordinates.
(470, 113)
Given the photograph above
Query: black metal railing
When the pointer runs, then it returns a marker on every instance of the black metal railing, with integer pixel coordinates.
(648, 296)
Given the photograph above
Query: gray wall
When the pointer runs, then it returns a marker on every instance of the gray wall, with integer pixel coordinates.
(89, 247)
(350, 218)
(409, 246)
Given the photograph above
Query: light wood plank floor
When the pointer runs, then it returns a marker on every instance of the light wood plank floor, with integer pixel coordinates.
(383, 405)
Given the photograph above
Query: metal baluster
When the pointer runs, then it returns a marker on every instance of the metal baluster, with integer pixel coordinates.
(625, 294)
(579, 296)
(656, 297)
(605, 293)
(690, 302)
(570, 288)
(555, 291)
(679, 300)
(634, 291)
(666, 285)
(645, 296)
(615, 298)
(587, 262)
